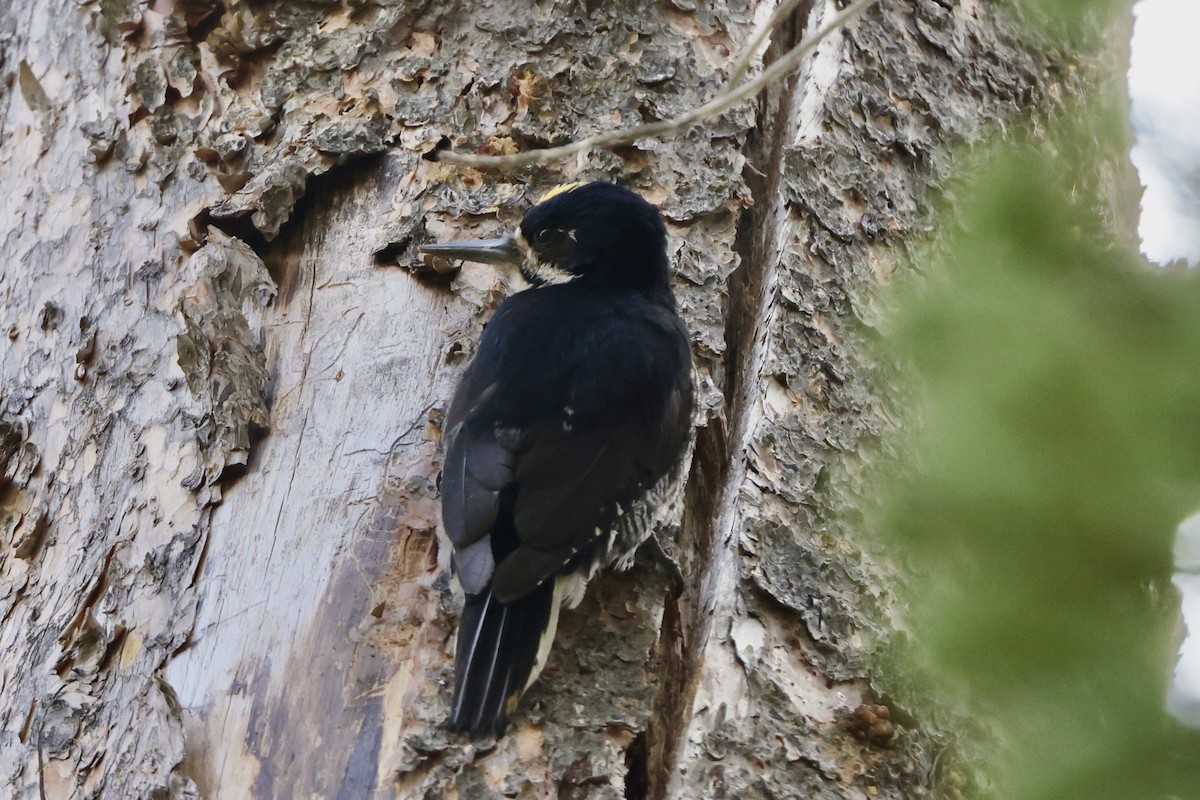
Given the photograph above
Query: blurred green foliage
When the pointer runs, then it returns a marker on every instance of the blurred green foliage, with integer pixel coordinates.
(1054, 450)
(1072, 18)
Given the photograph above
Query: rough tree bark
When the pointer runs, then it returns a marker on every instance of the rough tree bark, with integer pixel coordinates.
(219, 397)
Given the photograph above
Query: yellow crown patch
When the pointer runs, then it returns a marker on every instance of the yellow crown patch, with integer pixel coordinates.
(562, 188)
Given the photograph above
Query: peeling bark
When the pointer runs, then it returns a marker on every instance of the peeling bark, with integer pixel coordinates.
(220, 574)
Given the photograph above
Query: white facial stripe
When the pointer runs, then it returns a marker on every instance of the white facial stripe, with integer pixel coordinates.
(547, 273)
(539, 272)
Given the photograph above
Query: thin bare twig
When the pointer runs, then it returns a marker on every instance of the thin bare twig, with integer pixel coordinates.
(755, 41)
(719, 104)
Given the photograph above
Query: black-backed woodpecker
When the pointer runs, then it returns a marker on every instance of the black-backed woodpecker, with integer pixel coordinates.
(567, 434)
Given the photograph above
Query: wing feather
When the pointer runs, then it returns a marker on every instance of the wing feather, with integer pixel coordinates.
(541, 455)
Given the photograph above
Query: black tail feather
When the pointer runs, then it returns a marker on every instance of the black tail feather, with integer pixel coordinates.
(497, 654)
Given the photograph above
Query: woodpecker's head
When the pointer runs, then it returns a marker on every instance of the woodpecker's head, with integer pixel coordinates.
(596, 232)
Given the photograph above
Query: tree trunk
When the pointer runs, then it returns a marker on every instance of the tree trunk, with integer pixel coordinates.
(220, 572)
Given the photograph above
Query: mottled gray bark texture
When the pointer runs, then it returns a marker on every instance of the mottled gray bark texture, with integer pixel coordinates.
(220, 390)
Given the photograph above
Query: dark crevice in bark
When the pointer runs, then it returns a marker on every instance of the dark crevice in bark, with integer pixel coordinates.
(29, 546)
(238, 227)
(735, 318)
(347, 173)
(27, 725)
(67, 635)
(321, 190)
(112, 648)
(278, 257)
(718, 467)
(637, 781)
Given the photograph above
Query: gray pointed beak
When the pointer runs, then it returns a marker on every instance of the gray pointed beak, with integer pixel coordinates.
(503, 250)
